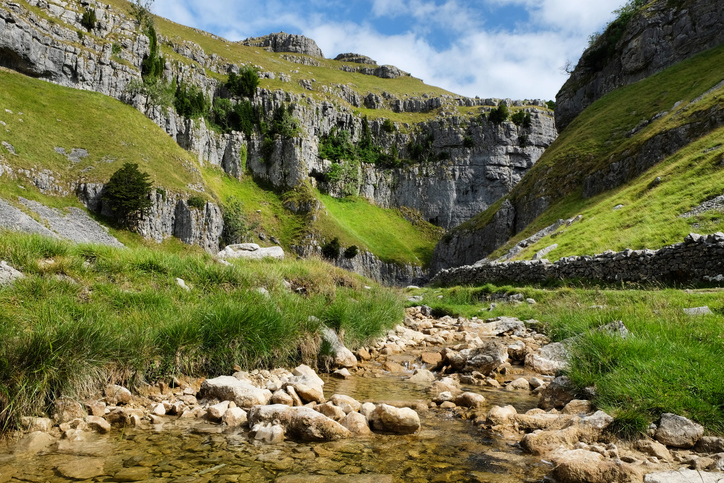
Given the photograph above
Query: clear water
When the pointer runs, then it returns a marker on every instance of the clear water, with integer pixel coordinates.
(447, 448)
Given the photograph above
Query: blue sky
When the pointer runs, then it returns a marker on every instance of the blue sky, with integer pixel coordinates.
(486, 48)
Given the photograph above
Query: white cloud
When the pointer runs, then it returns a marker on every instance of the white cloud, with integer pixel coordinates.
(520, 60)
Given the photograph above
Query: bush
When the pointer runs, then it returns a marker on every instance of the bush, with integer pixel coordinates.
(89, 19)
(153, 64)
(351, 252)
(127, 193)
(499, 115)
(116, 49)
(190, 102)
(196, 202)
(330, 250)
(551, 105)
(468, 142)
(388, 126)
(236, 227)
(244, 84)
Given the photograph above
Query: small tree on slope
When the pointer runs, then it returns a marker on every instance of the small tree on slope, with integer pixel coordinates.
(127, 193)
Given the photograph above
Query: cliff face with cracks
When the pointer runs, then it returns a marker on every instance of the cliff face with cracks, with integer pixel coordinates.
(471, 162)
(659, 35)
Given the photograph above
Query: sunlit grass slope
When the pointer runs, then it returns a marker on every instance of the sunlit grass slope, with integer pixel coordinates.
(87, 315)
(599, 136)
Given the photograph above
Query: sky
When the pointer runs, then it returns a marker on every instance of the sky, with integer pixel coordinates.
(514, 49)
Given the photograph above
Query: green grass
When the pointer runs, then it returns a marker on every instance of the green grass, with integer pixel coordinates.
(112, 132)
(650, 216)
(598, 137)
(123, 318)
(385, 233)
(671, 364)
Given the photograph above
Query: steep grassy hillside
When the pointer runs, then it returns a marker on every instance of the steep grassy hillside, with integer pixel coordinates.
(40, 117)
(679, 105)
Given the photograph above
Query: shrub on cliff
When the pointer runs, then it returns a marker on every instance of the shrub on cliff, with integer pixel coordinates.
(127, 194)
(351, 252)
(330, 250)
(499, 114)
(89, 19)
(244, 84)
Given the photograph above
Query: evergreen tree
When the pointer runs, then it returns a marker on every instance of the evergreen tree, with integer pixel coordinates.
(127, 193)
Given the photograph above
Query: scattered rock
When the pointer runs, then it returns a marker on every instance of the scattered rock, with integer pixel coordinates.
(422, 376)
(683, 476)
(343, 357)
(250, 251)
(302, 423)
(705, 310)
(394, 420)
(653, 448)
(558, 393)
(520, 384)
(117, 395)
(678, 431)
(98, 424)
(582, 466)
(357, 424)
(8, 275)
(182, 284)
(228, 388)
(234, 417)
(548, 359)
(82, 468)
(469, 400)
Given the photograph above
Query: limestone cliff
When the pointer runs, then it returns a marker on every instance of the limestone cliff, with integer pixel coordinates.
(284, 42)
(659, 35)
(623, 135)
(468, 164)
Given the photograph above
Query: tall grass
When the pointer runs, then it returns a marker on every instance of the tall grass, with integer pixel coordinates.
(672, 363)
(86, 315)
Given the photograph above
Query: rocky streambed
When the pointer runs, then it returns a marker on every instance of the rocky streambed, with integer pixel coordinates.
(434, 400)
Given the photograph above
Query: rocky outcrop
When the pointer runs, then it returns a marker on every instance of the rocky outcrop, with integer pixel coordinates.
(284, 42)
(658, 36)
(169, 215)
(697, 259)
(250, 251)
(355, 58)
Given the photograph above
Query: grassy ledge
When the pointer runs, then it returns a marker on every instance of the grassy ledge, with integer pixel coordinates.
(87, 315)
(671, 364)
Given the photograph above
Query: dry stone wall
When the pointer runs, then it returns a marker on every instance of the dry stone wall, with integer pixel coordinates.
(700, 258)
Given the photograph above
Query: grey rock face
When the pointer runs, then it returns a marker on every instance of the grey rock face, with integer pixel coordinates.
(662, 35)
(356, 58)
(8, 275)
(284, 42)
(75, 225)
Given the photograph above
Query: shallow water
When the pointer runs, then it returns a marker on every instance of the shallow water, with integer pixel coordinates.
(445, 449)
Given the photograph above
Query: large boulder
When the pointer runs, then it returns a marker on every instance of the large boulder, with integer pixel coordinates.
(582, 466)
(250, 251)
(301, 423)
(8, 275)
(548, 359)
(678, 431)
(557, 394)
(500, 325)
(390, 419)
(343, 357)
(486, 358)
(228, 388)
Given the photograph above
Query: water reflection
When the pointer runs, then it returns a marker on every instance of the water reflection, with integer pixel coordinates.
(445, 449)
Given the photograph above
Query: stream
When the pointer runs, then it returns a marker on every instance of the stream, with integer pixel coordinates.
(446, 448)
